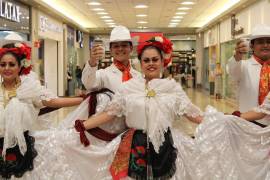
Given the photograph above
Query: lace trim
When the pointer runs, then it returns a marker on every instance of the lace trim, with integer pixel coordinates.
(264, 108)
(117, 106)
(47, 95)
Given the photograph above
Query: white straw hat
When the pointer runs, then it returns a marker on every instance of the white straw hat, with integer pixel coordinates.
(120, 33)
(259, 31)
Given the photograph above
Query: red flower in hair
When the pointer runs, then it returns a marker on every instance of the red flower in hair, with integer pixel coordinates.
(20, 49)
(162, 43)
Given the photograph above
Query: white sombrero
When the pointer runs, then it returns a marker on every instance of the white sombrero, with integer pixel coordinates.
(260, 31)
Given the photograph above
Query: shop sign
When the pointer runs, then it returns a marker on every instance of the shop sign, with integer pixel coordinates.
(47, 25)
(234, 29)
(10, 11)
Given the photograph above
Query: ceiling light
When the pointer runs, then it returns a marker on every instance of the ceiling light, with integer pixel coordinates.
(172, 26)
(141, 15)
(77, 18)
(102, 13)
(184, 8)
(110, 23)
(108, 20)
(187, 3)
(177, 17)
(94, 3)
(181, 13)
(173, 23)
(105, 17)
(98, 9)
(141, 6)
(175, 20)
(142, 22)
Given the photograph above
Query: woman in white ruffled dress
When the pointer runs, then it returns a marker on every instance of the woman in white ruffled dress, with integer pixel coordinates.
(149, 105)
(21, 98)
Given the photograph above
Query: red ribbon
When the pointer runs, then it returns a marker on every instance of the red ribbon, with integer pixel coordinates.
(81, 129)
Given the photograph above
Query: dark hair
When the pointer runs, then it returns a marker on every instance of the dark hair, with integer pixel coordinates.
(16, 56)
(150, 47)
(130, 43)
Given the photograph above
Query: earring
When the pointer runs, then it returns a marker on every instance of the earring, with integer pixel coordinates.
(161, 72)
(143, 75)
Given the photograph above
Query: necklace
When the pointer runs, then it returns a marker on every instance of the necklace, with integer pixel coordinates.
(9, 94)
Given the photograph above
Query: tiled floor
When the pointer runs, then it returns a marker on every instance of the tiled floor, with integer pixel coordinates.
(202, 99)
(198, 97)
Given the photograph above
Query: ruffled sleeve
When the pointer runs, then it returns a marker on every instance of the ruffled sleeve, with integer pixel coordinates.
(31, 89)
(117, 106)
(183, 105)
(265, 106)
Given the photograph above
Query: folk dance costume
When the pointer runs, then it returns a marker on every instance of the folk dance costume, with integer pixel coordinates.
(225, 145)
(102, 84)
(236, 148)
(149, 113)
(18, 118)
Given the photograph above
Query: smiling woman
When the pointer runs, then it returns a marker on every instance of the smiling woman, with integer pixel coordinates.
(21, 97)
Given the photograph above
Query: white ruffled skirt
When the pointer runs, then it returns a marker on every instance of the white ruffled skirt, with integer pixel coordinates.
(225, 148)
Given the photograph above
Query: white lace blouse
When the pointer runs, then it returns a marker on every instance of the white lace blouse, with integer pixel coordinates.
(152, 112)
(21, 112)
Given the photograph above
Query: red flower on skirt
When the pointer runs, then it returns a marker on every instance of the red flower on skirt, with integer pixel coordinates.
(141, 162)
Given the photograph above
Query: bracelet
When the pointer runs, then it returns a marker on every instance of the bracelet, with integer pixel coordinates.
(237, 113)
(81, 129)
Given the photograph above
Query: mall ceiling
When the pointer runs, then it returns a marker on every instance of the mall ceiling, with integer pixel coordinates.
(168, 16)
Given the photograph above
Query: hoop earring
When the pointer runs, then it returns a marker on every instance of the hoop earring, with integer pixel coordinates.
(161, 72)
(143, 75)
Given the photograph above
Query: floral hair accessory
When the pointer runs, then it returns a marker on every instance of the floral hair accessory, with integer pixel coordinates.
(162, 43)
(23, 52)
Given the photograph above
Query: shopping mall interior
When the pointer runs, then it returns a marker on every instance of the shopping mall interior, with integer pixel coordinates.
(203, 33)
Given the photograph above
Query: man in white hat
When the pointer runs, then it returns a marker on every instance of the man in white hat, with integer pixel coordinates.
(252, 75)
(119, 71)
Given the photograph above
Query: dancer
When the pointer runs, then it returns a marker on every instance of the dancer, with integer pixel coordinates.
(149, 106)
(252, 75)
(103, 83)
(21, 97)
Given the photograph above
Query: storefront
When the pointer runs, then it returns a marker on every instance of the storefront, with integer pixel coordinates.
(49, 42)
(14, 18)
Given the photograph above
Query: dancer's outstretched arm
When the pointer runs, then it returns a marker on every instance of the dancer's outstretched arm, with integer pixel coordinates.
(95, 121)
(197, 119)
(252, 115)
(63, 102)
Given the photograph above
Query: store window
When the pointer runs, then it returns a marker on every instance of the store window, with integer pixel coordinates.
(14, 18)
(229, 86)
